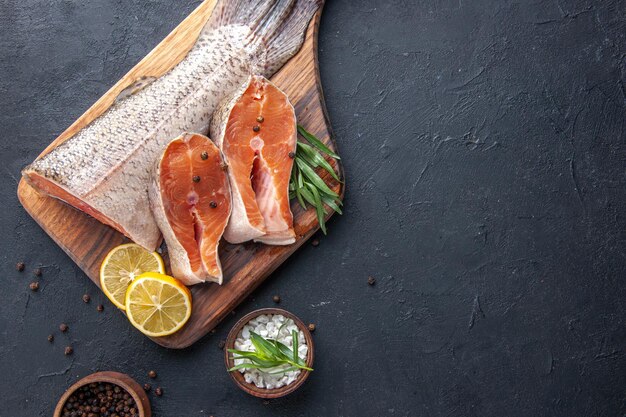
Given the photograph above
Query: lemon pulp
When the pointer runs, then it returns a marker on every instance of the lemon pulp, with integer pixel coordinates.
(122, 265)
(157, 304)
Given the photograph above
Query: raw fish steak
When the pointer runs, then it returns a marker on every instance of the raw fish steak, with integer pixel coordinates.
(190, 199)
(256, 130)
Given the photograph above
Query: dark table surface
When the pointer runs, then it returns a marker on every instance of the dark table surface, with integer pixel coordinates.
(485, 149)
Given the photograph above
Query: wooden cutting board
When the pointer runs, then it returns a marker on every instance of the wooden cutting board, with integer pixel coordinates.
(87, 241)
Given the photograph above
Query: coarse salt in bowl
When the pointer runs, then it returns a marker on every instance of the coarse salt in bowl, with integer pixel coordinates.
(270, 323)
(270, 326)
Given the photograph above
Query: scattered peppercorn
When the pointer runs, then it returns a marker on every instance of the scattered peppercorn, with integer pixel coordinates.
(260, 119)
(292, 154)
(213, 204)
(147, 387)
(86, 298)
(204, 155)
(152, 374)
(68, 350)
(100, 399)
(63, 327)
(256, 128)
(37, 272)
(100, 308)
(315, 242)
(311, 327)
(196, 178)
(371, 280)
(20, 266)
(221, 344)
(276, 299)
(34, 286)
(50, 338)
(158, 391)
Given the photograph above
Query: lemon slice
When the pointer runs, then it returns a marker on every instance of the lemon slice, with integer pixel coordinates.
(122, 265)
(157, 304)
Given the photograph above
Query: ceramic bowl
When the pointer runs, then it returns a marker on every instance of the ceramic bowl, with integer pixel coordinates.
(122, 380)
(238, 376)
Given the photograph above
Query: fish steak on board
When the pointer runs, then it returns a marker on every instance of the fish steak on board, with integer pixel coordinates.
(190, 199)
(257, 132)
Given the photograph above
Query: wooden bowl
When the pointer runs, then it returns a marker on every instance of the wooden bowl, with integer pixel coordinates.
(238, 376)
(122, 380)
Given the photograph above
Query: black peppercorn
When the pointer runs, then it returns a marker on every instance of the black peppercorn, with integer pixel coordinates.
(371, 280)
(292, 154)
(152, 374)
(213, 204)
(37, 272)
(20, 266)
(204, 155)
(260, 119)
(100, 399)
(196, 178)
(221, 344)
(276, 299)
(86, 298)
(256, 128)
(315, 242)
(158, 391)
(34, 286)
(63, 327)
(68, 351)
(147, 387)
(50, 338)
(100, 308)
(311, 327)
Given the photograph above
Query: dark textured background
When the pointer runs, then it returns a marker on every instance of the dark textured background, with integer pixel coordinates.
(485, 151)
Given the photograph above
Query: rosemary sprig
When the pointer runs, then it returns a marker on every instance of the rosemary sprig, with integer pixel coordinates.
(270, 353)
(306, 185)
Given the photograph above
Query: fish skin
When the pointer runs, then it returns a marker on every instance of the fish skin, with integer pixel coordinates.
(112, 175)
(276, 223)
(210, 268)
(104, 169)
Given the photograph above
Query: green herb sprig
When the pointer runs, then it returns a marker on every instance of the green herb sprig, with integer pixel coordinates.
(270, 353)
(306, 185)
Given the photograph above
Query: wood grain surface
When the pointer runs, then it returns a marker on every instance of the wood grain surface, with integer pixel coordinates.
(87, 241)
